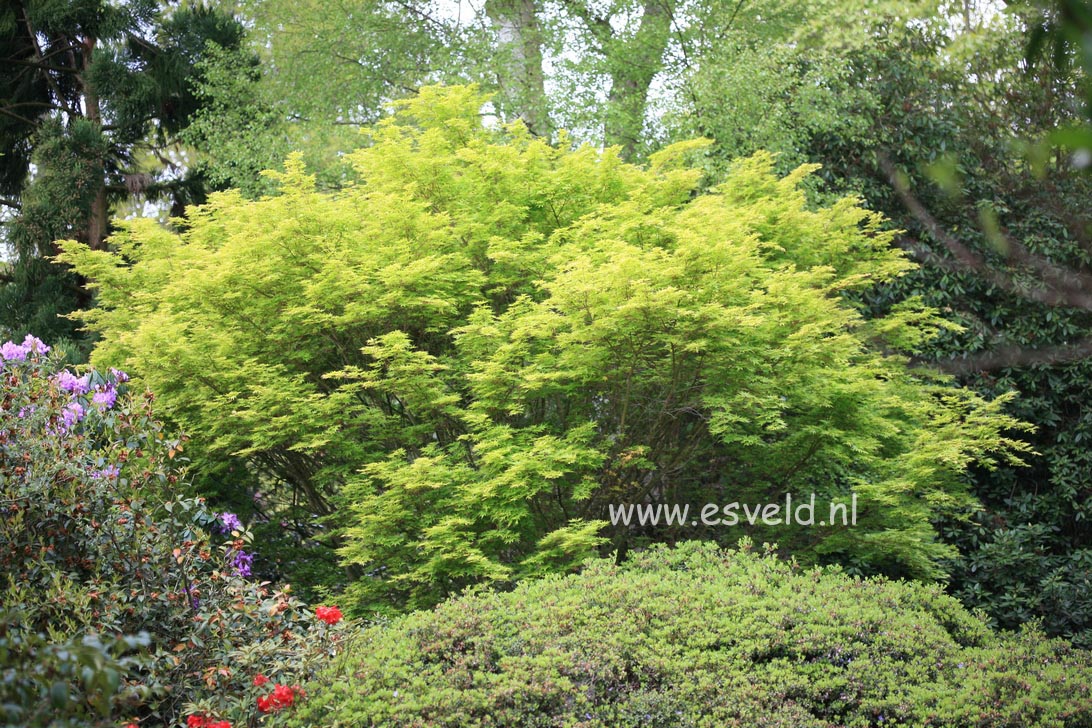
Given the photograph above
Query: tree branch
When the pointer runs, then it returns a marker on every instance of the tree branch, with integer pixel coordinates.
(1012, 356)
(140, 122)
(1061, 286)
(33, 35)
(598, 25)
(413, 10)
(735, 13)
(37, 105)
(972, 263)
(40, 66)
(17, 117)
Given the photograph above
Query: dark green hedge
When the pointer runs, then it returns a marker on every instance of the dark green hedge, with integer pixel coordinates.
(696, 636)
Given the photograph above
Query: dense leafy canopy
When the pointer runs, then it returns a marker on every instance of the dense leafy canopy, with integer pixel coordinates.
(608, 73)
(951, 104)
(92, 97)
(488, 340)
(448, 352)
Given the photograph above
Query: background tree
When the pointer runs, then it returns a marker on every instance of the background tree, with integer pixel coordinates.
(92, 96)
(949, 106)
(605, 72)
(325, 71)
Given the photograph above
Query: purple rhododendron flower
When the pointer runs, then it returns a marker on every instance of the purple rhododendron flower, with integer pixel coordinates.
(71, 414)
(105, 398)
(242, 563)
(194, 601)
(69, 382)
(33, 343)
(110, 472)
(229, 522)
(28, 410)
(119, 375)
(11, 351)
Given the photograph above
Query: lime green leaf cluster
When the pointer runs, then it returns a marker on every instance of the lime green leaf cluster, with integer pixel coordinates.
(475, 350)
(696, 636)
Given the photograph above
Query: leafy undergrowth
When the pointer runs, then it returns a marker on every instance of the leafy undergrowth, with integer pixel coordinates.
(123, 599)
(697, 636)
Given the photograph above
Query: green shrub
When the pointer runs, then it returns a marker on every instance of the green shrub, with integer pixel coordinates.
(118, 601)
(697, 636)
(476, 351)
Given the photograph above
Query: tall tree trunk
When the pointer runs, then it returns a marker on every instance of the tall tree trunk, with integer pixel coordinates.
(634, 65)
(97, 217)
(522, 80)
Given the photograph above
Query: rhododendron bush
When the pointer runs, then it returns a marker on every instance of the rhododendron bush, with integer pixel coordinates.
(125, 600)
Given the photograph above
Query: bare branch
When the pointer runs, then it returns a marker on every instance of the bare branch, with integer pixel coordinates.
(17, 117)
(412, 9)
(1014, 356)
(971, 263)
(33, 35)
(40, 66)
(1061, 286)
(735, 12)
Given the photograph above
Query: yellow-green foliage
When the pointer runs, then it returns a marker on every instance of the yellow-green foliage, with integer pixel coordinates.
(487, 340)
(697, 637)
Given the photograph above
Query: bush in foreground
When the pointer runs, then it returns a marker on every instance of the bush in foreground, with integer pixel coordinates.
(697, 636)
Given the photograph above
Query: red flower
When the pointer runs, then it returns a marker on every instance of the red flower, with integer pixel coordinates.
(260, 680)
(281, 697)
(199, 721)
(131, 725)
(329, 615)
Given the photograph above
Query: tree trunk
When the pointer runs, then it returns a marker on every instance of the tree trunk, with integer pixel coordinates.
(633, 67)
(522, 80)
(97, 216)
